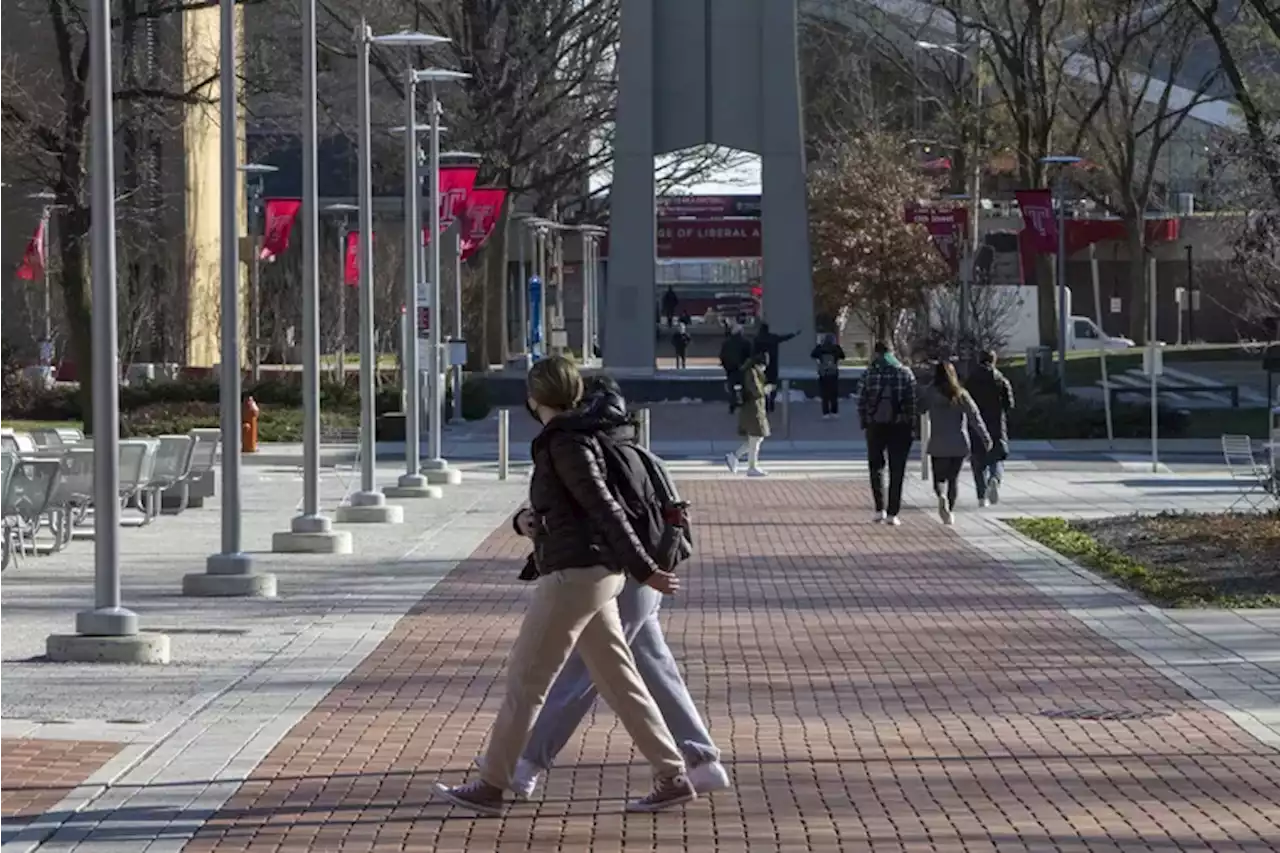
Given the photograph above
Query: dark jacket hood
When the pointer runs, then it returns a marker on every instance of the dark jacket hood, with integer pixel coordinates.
(604, 412)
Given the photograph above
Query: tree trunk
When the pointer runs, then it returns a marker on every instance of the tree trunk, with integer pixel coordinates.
(497, 347)
(73, 250)
(1138, 307)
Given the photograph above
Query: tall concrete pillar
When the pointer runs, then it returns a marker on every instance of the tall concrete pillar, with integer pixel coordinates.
(695, 72)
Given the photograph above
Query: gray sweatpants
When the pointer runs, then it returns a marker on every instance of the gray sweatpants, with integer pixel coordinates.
(573, 692)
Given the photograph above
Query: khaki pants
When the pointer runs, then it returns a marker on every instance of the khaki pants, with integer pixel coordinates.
(576, 606)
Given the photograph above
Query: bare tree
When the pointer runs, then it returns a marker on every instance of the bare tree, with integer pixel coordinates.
(1132, 110)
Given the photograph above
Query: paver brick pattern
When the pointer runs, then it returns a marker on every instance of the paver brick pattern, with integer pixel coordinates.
(37, 773)
(872, 688)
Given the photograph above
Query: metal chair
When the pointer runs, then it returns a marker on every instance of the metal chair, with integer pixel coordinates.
(171, 467)
(1255, 481)
(137, 459)
(11, 544)
(29, 499)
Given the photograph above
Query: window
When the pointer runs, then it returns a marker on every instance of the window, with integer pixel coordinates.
(1085, 329)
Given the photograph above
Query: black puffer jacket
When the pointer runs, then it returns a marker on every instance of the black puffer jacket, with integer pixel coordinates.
(577, 521)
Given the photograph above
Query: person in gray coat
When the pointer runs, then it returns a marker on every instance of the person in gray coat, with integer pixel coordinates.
(952, 416)
(994, 396)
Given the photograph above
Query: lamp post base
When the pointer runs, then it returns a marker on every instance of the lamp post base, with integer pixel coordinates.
(311, 534)
(229, 576)
(413, 486)
(143, 648)
(369, 508)
(438, 472)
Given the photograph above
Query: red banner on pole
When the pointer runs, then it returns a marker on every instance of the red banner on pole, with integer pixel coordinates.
(945, 225)
(480, 217)
(1037, 215)
(351, 260)
(33, 259)
(456, 183)
(280, 215)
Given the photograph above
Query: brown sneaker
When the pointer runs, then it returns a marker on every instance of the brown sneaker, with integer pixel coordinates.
(478, 796)
(666, 794)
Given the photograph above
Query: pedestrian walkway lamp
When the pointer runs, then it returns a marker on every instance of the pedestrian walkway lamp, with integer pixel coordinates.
(435, 466)
(369, 505)
(229, 572)
(47, 207)
(109, 632)
(256, 173)
(310, 531)
(455, 371)
(1062, 160)
(344, 228)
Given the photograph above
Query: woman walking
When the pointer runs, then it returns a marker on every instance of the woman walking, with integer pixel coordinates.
(573, 693)
(753, 419)
(582, 543)
(952, 417)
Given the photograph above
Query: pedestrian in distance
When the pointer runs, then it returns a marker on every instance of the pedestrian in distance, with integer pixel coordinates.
(753, 418)
(828, 355)
(887, 413)
(670, 304)
(680, 339)
(584, 543)
(734, 353)
(770, 344)
(952, 416)
(573, 692)
(994, 395)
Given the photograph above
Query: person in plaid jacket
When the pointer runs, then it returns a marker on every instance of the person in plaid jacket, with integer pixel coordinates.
(887, 411)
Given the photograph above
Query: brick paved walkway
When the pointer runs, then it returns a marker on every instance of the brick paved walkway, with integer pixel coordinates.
(873, 688)
(37, 773)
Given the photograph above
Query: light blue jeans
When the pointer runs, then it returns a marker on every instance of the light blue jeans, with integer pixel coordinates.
(573, 693)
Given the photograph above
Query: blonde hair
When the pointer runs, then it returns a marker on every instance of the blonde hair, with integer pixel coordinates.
(555, 383)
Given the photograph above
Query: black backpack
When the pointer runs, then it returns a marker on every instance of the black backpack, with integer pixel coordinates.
(640, 482)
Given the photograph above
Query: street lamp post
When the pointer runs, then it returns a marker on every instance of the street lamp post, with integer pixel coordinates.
(47, 207)
(310, 531)
(109, 632)
(256, 173)
(435, 466)
(1063, 160)
(456, 369)
(344, 228)
(369, 505)
(229, 572)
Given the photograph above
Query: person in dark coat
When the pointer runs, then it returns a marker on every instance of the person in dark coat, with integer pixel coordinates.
(680, 339)
(993, 394)
(734, 353)
(828, 355)
(670, 302)
(767, 343)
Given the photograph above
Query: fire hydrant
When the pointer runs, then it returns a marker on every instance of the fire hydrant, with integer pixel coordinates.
(249, 426)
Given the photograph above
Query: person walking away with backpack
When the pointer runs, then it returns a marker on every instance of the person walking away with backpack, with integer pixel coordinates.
(734, 353)
(768, 344)
(640, 480)
(680, 341)
(994, 396)
(753, 419)
(952, 416)
(828, 355)
(583, 541)
(887, 412)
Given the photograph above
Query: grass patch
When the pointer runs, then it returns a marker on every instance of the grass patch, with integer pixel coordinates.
(1178, 560)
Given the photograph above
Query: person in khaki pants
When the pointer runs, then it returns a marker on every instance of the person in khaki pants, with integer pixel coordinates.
(583, 543)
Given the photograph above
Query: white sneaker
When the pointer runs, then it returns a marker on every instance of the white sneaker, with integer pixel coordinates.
(943, 509)
(993, 491)
(948, 518)
(709, 777)
(982, 503)
(893, 521)
(526, 778)
(731, 462)
(756, 472)
(881, 517)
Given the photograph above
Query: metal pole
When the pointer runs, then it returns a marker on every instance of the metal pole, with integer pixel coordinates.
(108, 618)
(785, 391)
(310, 280)
(343, 230)
(1191, 305)
(585, 278)
(645, 436)
(1102, 351)
(504, 443)
(1155, 379)
(368, 358)
(522, 230)
(975, 203)
(456, 369)
(412, 241)
(48, 299)
(1062, 287)
(434, 401)
(255, 296)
